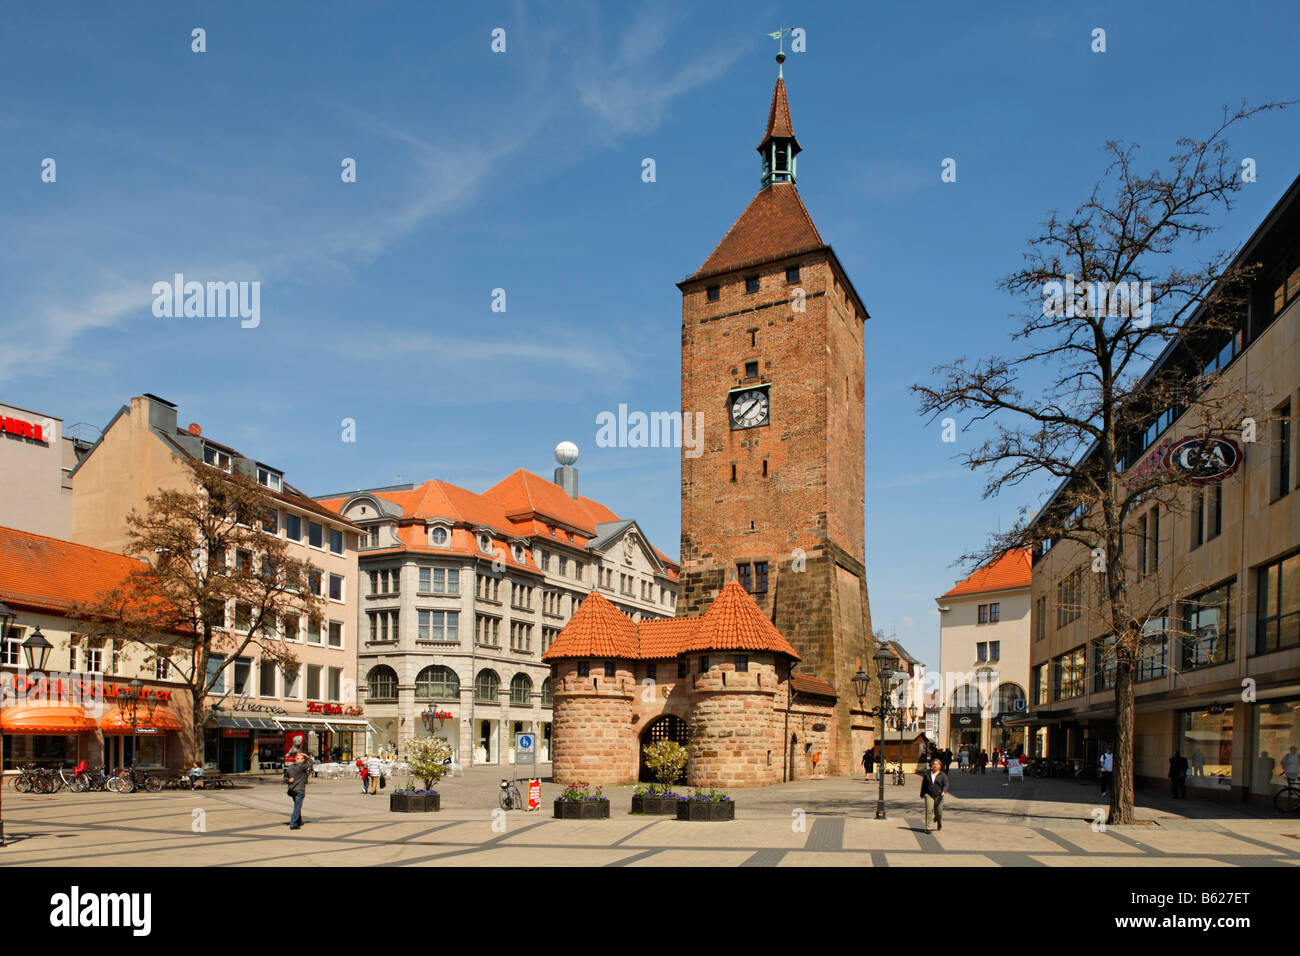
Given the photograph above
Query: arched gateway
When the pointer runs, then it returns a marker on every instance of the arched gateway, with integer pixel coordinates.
(667, 727)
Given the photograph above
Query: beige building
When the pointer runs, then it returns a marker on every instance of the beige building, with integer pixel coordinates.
(462, 593)
(257, 708)
(984, 656)
(1219, 678)
(36, 458)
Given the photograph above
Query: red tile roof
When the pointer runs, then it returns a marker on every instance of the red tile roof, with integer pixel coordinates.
(775, 225)
(778, 117)
(597, 629)
(807, 684)
(732, 622)
(49, 574)
(1013, 570)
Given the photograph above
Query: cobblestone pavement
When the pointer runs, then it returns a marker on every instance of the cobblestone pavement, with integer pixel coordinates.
(989, 822)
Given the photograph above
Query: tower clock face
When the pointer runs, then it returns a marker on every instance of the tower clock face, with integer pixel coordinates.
(750, 408)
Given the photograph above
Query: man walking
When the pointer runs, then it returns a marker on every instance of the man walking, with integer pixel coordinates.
(375, 770)
(296, 775)
(1178, 775)
(933, 787)
(1107, 770)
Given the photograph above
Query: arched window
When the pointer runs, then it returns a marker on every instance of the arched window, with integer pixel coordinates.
(487, 687)
(1011, 700)
(546, 692)
(438, 536)
(521, 689)
(436, 682)
(381, 683)
(965, 699)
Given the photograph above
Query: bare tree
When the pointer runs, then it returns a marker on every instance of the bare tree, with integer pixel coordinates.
(1109, 289)
(213, 586)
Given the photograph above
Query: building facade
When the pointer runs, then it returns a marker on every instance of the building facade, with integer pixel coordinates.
(721, 684)
(773, 379)
(257, 708)
(36, 458)
(984, 656)
(462, 593)
(68, 711)
(1219, 675)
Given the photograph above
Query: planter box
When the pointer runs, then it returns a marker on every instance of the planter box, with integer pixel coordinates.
(414, 802)
(582, 809)
(706, 810)
(654, 806)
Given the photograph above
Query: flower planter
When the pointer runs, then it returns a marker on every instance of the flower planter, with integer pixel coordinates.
(653, 805)
(706, 810)
(414, 802)
(582, 809)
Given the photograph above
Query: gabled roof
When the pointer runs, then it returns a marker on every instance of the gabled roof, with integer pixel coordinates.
(50, 574)
(526, 495)
(732, 622)
(807, 684)
(778, 118)
(1013, 570)
(775, 225)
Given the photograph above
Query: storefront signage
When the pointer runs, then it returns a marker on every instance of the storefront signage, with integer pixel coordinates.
(1203, 460)
(246, 703)
(337, 709)
(16, 426)
(74, 685)
(1148, 464)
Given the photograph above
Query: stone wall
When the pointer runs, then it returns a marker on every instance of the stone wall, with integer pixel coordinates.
(591, 730)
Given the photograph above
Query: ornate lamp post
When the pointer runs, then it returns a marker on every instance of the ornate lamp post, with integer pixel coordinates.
(36, 650)
(6, 618)
(433, 720)
(130, 702)
(861, 682)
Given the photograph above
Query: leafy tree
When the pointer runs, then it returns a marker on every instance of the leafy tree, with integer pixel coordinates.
(666, 760)
(1067, 403)
(212, 587)
(426, 756)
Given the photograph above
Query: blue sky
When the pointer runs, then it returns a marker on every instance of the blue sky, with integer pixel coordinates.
(522, 171)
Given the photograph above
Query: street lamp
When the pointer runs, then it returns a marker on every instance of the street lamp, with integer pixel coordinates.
(6, 618)
(433, 719)
(37, 650)
(130, 702)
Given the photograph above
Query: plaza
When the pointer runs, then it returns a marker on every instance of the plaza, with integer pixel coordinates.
(825, 822)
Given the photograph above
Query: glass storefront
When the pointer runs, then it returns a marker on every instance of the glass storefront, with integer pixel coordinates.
(1205, 739)
(1277, 744)
(43, 749)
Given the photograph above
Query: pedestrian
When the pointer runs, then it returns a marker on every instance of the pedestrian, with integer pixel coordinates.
(982, 760)
(1178, 775)
(866, 762)
(946, 758)
(296, 775)
(375, 770)
(1107, 771)
(963, 759)
(1290, 765)
(934, 785)
(364, 771)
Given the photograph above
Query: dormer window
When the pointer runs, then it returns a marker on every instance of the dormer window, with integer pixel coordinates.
(270, 479)
(438, 536)
(519, 554)
(215, 458)
(485, 543)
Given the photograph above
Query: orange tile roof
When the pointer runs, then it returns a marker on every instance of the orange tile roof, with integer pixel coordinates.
(732, 622)
(50, 574)
(807, 684)
(597, 629)
(1012, 570)
(775, 225)
(778, 117)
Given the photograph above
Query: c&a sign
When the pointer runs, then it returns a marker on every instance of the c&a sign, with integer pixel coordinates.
(1204, 459)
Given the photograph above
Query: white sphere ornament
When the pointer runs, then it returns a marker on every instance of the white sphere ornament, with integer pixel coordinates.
(566, 453)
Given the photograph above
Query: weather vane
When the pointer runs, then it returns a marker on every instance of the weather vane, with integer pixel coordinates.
(779, 37)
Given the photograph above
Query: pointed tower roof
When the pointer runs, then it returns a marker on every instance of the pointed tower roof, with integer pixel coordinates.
(778, 119)
(734, 622)
(597, 629)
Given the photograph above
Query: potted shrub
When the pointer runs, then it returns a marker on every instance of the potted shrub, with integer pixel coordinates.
(665, 758)
(708, 804)
(427, 758)
(581, 801)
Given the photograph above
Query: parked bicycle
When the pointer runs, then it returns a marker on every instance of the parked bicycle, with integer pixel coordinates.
(92, 779)
(509, 796)
(1287, 800)
(133, 781)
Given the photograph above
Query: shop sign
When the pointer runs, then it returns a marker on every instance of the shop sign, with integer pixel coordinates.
(245, 702)
(534, 794)
(74, 685)
(229, 732)
(1203, 459)
(16, 426)
(336, 709)
(145, 731)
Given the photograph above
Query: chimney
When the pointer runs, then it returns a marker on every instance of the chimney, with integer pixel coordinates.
(162, 414)
(566, 476)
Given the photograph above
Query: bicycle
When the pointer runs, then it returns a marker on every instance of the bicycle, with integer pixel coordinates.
(1287, 800)
(509, 796)
(92, 779)
(26, 780)
(133, 781)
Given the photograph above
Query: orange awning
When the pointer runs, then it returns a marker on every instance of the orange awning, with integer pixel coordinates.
(37, 719)
(163, 720)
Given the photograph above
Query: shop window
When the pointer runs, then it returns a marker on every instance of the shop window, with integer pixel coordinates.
(1205, 739)
(1208, 631)
(1278, 615)
(1276, 756)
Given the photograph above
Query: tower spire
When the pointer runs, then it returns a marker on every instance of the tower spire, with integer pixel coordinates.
(779, 146)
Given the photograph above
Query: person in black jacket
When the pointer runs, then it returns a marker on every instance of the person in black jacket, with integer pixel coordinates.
(295, 775)
(934, 786)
